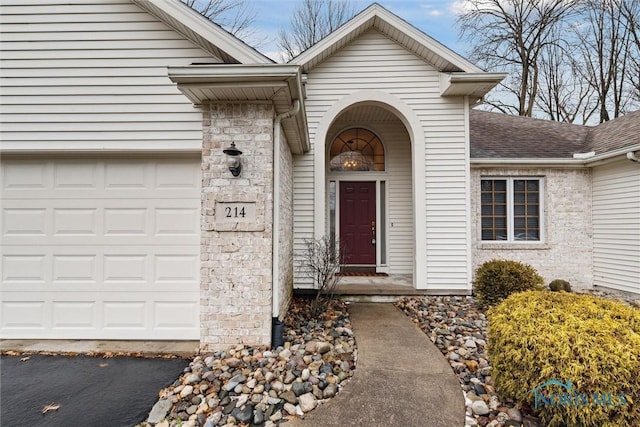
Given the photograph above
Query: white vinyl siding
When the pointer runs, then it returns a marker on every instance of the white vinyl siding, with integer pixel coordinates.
(377, 63)
(400, 198)
(102, 248)
(93, 76)
(616, 226)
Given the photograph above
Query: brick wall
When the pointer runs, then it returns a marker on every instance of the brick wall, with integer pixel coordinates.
(567, 252)
(235, 305)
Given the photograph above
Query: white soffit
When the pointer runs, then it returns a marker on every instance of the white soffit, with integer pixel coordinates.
(475, 85)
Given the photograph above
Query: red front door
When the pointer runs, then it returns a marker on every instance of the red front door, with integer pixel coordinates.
(358, 222)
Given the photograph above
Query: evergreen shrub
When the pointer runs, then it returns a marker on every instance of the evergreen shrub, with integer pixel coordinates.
(574, 358)
(499, 278)
(560, 285)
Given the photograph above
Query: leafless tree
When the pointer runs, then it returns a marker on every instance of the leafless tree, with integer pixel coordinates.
(311, 21)
(604, 51)
(630, 10)
(235, 16)
(561, 96)
(511, 36)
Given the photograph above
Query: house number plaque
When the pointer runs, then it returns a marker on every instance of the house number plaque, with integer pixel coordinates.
(230, 212)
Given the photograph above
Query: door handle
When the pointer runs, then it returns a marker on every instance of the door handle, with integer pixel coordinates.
(373, 232)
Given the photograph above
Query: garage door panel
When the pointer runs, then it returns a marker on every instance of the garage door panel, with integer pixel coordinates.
(19, 176)
(129, 221)
(74, 315)
(133, 268)
(123, 228)
(176, 315)
(100, 249)
(76, 268)
(177, 221)
(24, 315)
(89, 268)
(83, 194)
(125, 314)
(129, 175)
(24, 268)
(79, 221)
(77, 175)
(86, 178)
(69, 315)
(24, 221)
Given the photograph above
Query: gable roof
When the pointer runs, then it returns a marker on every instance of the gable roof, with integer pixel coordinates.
(206, 34)
(503, 136)
(394, 27)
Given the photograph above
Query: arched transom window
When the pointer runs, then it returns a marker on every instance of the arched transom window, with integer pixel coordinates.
(356, 149)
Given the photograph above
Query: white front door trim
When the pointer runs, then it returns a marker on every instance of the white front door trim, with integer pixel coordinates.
(416, 133)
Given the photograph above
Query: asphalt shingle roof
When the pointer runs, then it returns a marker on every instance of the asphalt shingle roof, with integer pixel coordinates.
(502, 136)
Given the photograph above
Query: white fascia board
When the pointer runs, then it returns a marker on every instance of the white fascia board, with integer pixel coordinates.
(232, 73)
(550, 162)
(427, 41)
(367, 18)
(334, 37)
(500, 163)
(211, 32)
(472, 84)
(611, 154)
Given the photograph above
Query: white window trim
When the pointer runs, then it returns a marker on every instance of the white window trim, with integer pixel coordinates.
(510, 233)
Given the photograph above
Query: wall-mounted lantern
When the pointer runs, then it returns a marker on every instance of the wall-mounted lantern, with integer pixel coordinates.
(233, 159)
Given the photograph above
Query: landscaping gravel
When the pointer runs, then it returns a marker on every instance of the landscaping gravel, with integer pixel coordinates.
(458, 327)
(261, 387)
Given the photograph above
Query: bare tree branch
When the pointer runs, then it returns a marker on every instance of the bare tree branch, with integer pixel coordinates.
(311, 21)
(235, 16)
(605, 53)
(515, 32)
(321, 261)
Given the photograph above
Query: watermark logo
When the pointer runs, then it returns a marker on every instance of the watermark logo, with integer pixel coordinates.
(568, 396)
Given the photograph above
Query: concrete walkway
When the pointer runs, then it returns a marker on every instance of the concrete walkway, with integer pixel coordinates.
(401, 377)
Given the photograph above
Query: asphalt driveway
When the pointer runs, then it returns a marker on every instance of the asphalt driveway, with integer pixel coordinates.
(90, 391)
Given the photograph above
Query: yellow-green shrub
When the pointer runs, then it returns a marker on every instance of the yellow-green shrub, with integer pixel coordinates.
(499, 278)
(594, 343)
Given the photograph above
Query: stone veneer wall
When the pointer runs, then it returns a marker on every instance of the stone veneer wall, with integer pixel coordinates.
(285, 184)
(567, 252)
(235, 306)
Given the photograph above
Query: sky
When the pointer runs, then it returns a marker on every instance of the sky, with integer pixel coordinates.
(434, 17)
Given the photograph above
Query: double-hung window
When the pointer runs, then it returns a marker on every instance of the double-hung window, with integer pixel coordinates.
(511, 209)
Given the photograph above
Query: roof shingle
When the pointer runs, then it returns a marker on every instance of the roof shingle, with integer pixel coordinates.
(502, 136)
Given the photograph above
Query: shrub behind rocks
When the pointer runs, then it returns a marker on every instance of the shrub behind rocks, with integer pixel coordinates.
(560, 285)
(575, 357)
(498, 278)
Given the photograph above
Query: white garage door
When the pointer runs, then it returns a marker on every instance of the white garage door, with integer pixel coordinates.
(100, 248)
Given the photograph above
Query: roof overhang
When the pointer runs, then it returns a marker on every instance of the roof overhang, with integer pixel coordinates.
(380, 19)
(522, 162)
(593, 161)
(278, 84)
(206, 34)
(474, 85)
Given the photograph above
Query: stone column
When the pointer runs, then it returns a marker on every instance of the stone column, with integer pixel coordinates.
(236, 227)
